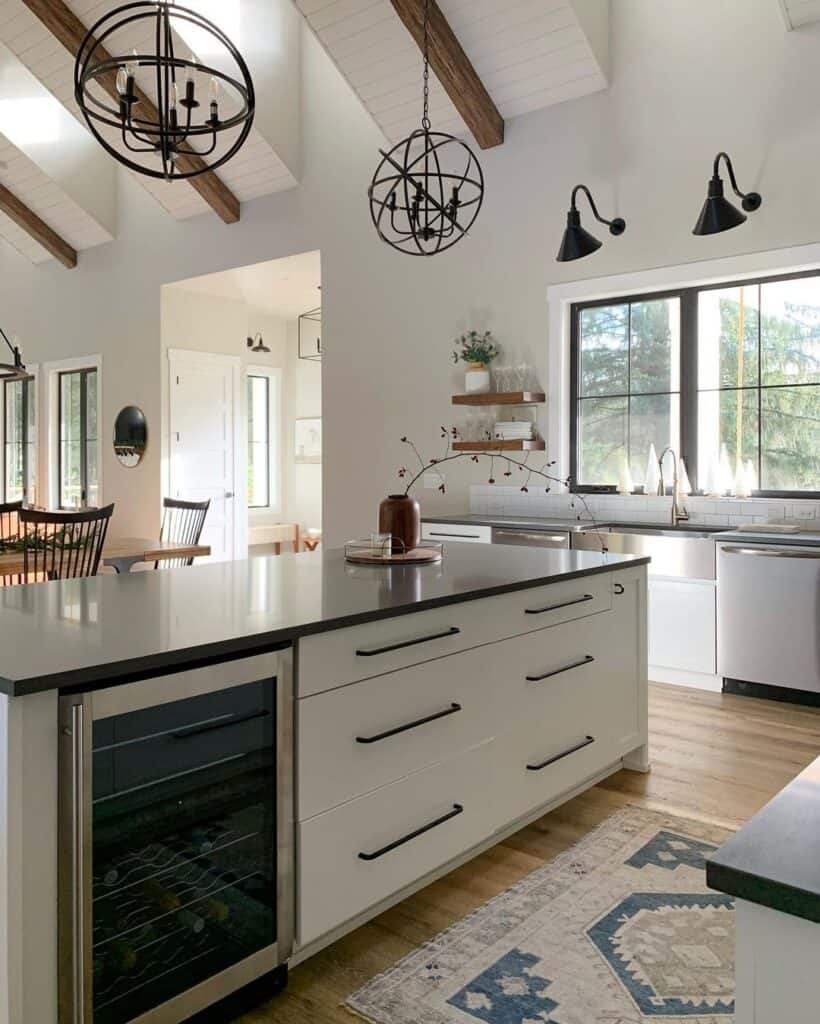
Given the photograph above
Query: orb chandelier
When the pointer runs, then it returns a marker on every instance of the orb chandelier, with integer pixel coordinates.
(15, 370)
(145, 105)
(428, 189)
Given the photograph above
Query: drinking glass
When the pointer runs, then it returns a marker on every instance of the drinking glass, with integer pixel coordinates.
(522, 376)
(502, 378)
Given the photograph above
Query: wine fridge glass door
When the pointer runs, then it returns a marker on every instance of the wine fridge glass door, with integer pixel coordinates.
(181, 869)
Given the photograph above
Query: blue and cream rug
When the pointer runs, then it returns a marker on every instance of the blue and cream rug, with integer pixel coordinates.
(620, 929)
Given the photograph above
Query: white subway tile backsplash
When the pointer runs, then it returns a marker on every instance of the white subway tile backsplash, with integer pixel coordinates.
(509, 499)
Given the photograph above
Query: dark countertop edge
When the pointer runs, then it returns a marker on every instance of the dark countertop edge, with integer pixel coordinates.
(764, 892)
(134, 669)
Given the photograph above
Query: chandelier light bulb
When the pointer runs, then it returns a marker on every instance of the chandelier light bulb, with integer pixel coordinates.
(213, 89)
(132, 65)
(122, 81)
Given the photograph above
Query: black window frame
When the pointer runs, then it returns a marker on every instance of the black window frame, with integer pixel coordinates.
(28, 388)
(83, 373)
(688, 375)
(266, 378)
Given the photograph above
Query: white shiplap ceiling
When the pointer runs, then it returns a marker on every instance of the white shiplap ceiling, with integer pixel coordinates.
(41, 195)
(800, 12)
(255, 171)
(528, 53)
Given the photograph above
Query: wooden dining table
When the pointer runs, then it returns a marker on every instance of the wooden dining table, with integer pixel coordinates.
(121, 554)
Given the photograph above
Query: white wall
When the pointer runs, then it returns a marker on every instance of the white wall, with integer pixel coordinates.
(688, 79)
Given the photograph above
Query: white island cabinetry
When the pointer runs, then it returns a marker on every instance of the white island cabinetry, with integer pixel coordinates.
(425, 738)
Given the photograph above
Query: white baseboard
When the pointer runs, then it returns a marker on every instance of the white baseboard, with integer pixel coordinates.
(697, 680)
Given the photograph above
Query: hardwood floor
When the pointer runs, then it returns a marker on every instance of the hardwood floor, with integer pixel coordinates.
(716, 758)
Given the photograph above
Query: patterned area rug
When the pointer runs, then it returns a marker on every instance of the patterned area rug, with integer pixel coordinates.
(620, 929)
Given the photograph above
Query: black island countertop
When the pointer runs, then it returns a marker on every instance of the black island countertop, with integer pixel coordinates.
(113, 629)
(774, 860)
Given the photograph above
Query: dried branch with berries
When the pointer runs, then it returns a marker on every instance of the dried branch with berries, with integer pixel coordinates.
(529, 472)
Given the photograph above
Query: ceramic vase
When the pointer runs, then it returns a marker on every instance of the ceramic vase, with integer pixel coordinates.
(477, 379)
(400, 516)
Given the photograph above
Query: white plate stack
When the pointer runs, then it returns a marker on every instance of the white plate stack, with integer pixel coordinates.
(514, 430)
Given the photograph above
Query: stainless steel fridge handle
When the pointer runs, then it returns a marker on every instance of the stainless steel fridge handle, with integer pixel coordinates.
(78, 859)
(771, 552)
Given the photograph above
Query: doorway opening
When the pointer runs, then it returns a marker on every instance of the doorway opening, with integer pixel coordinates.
(244, 404)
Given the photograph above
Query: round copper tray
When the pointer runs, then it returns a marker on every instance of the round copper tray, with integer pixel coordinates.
(362, 553)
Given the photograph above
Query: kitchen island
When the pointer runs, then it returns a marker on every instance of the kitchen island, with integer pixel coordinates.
(435, 710)
(772, 868)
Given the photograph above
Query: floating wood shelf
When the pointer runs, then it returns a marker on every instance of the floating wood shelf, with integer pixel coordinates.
(536, 445)
(501, 398)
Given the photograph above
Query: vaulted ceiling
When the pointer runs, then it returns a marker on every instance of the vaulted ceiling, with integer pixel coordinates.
(58, 187)
(38, 42)
(528, 54)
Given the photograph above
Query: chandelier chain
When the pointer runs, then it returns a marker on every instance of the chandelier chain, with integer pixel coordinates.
(425, 121)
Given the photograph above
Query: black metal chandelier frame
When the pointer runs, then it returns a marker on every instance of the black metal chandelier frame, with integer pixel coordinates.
(313, 316)
(170, 134)
(16, 369)
(421, 212)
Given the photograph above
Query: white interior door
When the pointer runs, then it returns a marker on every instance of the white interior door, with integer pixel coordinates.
(203, 446)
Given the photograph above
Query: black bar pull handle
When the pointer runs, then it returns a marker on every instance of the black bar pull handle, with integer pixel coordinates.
(463, 536)
(457, 809)
(198, 730)
(557, 671)
(371, 652)
(452, 710)
(555, 607)
(578, 746)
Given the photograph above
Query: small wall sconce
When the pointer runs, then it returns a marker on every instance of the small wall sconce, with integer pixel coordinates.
(718, 214)
(256, 344)
(577, 241)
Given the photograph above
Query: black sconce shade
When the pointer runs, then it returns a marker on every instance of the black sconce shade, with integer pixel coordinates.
(577, 241)
(256, 344)
(718, 214)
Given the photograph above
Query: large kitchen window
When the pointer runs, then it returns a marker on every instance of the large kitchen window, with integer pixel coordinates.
(627, 372)
(78, 469)
(20, 446)
(263, 405)
(728, 375)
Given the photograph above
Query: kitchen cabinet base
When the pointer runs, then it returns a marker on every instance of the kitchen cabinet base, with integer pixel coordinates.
(767, 691)
(302, 953)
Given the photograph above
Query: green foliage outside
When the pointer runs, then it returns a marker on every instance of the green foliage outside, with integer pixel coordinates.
(759, 406)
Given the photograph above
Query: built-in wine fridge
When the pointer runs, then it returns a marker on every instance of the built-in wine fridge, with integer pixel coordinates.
(176, 851)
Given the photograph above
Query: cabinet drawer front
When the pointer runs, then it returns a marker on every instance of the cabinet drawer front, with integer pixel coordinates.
(342, 656)
(576, 714)
(466, 533)
(356, 855)
(354, 739)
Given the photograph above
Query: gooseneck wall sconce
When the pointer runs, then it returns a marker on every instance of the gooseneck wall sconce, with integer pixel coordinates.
(577, 241)
(718, 214)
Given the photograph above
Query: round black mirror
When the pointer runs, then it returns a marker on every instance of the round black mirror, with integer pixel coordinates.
(130, 436)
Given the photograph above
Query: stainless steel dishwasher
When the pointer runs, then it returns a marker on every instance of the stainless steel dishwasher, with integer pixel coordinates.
(531, 538)
(769, 614)
(176, 841)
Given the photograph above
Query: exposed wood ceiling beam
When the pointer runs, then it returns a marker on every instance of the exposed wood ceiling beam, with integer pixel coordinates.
(455, 72)
(64, 24)
(38, 229)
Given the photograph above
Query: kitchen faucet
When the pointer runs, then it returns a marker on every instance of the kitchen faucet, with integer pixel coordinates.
(679, 511)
